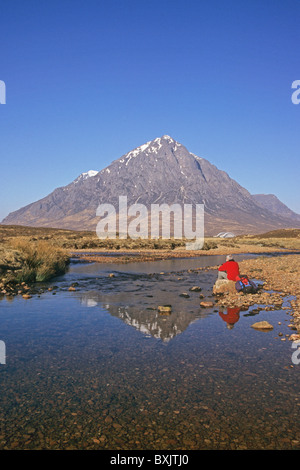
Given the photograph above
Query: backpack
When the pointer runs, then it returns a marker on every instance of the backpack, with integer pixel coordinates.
(245, 285)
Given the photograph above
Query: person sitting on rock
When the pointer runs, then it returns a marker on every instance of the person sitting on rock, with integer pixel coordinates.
(229, 270)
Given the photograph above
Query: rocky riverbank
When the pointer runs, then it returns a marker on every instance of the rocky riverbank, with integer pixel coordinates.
(128, 256)
(280, 280)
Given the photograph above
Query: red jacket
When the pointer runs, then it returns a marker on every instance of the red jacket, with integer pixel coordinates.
(232, 269)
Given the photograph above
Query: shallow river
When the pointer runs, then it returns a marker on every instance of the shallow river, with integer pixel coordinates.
(100, 368)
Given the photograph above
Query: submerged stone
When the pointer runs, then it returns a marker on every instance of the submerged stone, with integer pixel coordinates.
(165, 308)
(262, 325)
(206, 304)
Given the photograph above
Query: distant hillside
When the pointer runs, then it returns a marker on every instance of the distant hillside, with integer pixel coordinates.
(273, 204)
(282, 233)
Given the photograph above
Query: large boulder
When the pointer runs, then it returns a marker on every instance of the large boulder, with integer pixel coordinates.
(222, 286)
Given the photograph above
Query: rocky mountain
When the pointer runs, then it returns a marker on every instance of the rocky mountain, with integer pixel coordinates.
(273, 204)
(160, 171)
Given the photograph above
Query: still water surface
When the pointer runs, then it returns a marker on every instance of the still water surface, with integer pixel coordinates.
(100, 368)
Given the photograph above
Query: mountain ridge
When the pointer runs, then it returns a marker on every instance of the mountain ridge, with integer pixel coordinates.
(273, 204)
(160, 171)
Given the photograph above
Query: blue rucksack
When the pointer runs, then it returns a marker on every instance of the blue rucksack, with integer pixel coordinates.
(245, 285)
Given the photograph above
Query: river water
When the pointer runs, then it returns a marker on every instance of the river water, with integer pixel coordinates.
(100, 368)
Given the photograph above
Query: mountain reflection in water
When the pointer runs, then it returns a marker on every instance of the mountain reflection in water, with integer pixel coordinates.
(137, 289)
(145, 317)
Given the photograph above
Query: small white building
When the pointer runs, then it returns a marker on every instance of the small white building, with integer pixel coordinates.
(225, 235)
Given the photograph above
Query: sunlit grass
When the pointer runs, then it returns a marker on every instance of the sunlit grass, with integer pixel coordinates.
(40, 260)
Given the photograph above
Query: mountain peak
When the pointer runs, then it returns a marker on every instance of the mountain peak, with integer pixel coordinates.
(167, 137)
(150, 147)
(161, 171)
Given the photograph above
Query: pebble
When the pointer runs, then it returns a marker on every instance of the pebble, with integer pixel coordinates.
(206, 304)
(164, 308)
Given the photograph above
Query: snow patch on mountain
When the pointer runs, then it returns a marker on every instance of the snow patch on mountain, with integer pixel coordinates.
(152, 146)
(134, 153)
(85, 175)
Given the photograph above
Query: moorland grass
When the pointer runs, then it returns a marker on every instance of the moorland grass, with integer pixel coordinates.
(38, 261)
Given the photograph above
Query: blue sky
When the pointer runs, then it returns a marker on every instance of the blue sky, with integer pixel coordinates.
(86, 82)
